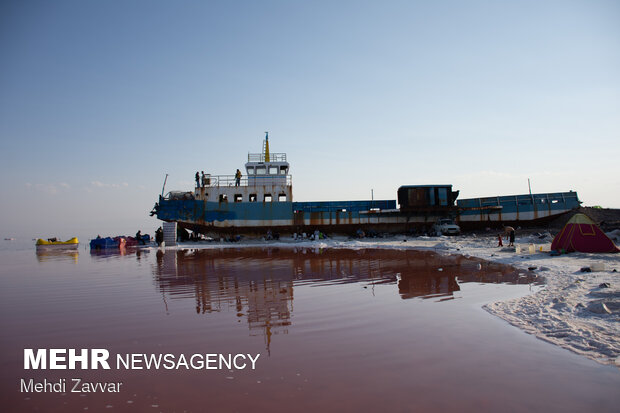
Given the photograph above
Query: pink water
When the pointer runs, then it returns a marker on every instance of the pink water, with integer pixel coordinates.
(337, 330)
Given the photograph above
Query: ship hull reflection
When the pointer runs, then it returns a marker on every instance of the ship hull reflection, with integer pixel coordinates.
(259, 283)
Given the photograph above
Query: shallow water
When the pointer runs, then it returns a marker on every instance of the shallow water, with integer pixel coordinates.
(336, 330)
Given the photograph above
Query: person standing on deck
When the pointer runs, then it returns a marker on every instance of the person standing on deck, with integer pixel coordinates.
(204, 179)
(238, 178)
(197, 179)
(510, 234)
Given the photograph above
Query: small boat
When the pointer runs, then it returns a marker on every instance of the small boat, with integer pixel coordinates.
(119, 241)
(103, 243)
(54, 243)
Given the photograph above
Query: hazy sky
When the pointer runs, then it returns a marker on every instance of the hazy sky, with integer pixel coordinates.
(100, 99)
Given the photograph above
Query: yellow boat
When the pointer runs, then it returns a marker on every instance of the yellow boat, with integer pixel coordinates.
(69, 244)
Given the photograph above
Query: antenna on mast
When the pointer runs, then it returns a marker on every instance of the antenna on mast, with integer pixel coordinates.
(163, 187)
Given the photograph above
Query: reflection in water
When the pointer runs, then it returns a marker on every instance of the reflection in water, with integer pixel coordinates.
(116, 252)
(56, 255)
(362, 333)
(432, 275)
(258, 284)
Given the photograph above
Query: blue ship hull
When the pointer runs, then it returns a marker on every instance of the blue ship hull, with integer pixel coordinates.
(527, 209)
(348, 216)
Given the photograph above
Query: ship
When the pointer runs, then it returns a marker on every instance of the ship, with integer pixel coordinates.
(261, 201)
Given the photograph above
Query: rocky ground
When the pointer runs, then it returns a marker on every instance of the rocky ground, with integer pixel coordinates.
(607, 218)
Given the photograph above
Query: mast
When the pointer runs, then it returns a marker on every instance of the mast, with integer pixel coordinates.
(266, 147)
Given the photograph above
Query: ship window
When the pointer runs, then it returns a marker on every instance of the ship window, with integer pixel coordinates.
(442, 195)
(261, 170)
(267, 197)
(250, 170)
(282, 198)
(253, 197)
(273, 170)
(283, 170)
(223, 198)
(238, 198)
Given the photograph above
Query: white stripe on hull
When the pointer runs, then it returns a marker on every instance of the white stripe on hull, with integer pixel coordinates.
(381, 220)
(512, 216)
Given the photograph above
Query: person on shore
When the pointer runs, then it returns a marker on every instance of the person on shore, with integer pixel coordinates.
(238, 178)
(499, 240)
(510, 235)
(139, 238)
(197, 179)
(159, 235)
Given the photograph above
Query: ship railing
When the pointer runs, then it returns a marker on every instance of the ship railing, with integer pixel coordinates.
(345, 206)
(550, 201)
(260, 157)
(254, 180)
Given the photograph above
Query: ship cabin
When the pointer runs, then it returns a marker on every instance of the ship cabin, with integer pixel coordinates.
(266, 180)
(426, 197)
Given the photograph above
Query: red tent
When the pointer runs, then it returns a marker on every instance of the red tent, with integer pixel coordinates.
(581, 234)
